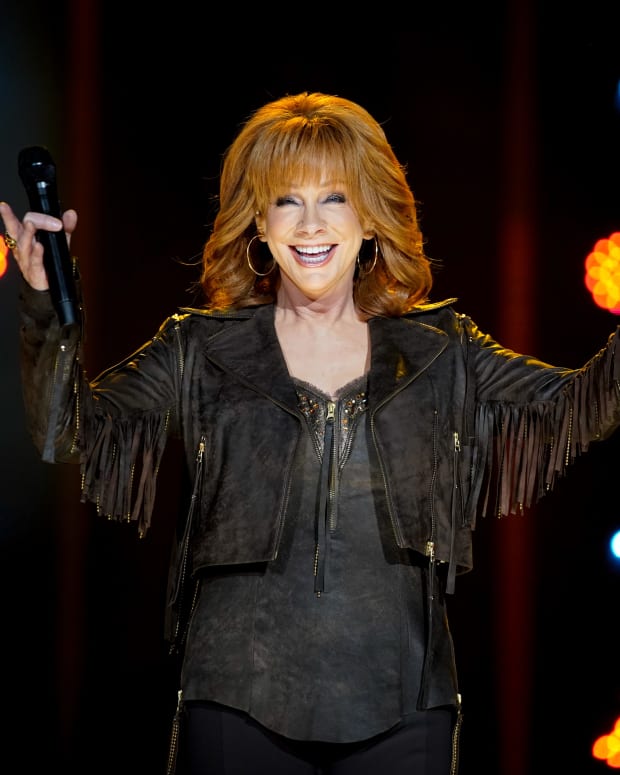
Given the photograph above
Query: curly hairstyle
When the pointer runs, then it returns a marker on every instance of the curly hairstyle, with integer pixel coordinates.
(301, 137)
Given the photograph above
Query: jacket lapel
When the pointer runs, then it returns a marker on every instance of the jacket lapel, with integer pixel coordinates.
(401, 349)
(251, 353)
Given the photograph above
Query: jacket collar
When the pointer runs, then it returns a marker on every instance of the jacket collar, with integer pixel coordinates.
(401, 349)
(251, 352)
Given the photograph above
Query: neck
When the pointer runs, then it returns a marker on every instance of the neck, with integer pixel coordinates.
(324, 311)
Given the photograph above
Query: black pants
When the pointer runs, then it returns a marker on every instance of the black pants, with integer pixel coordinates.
(221, 741)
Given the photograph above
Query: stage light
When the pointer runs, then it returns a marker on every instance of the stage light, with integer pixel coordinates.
(607, 747)
(4, 252)
(602, 273)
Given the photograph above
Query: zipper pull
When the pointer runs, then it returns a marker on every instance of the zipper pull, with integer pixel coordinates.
(331, 411)
(457, 442)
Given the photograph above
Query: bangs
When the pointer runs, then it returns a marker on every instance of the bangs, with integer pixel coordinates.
(301, 153)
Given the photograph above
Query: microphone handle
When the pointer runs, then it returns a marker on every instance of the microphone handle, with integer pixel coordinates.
(43, 198)
(59, 268)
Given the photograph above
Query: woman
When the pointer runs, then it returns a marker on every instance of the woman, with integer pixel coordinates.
(342, 435)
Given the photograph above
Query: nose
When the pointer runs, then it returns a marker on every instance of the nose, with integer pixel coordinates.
(310, 221)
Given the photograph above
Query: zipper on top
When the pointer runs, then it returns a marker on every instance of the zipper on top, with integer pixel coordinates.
(326, 496)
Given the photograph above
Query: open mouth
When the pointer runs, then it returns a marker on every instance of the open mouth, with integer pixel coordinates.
(313, 255)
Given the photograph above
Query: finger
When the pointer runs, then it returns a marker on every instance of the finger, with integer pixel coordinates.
(11, 222)
(43, 221)
(28, 233)
(28, 254)
(69, 219)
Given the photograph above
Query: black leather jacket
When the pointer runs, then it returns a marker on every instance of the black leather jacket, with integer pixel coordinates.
(459, 425)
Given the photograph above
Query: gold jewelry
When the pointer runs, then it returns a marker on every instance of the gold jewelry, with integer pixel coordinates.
(10, 242)
(374, 261)
(247, 255)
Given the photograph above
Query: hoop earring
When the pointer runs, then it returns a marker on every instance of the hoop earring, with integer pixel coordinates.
(374, 261)
(249, 260)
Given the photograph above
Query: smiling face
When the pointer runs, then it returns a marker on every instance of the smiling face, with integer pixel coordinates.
(315, 235)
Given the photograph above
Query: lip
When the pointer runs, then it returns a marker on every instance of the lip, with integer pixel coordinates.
(313, 259)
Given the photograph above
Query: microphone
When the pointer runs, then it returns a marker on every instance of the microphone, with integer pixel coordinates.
(38, 174)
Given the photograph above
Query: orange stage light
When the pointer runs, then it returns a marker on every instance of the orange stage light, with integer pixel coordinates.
(607, 747)
(602, 276)
(4, 252)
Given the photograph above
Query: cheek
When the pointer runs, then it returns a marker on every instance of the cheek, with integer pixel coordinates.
(279, 222)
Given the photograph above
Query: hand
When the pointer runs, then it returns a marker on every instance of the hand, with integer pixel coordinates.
(28, 252)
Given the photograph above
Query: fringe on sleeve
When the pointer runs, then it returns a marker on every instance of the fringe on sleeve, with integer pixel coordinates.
(524, 448)
(119, 466)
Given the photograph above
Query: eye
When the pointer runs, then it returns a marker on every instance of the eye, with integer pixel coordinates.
(336, 198)
(282, 201)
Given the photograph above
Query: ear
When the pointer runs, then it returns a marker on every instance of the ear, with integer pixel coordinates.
(259, 220)
(369, 234)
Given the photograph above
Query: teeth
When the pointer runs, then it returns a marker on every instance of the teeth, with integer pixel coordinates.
(314, 250)
(312, 261)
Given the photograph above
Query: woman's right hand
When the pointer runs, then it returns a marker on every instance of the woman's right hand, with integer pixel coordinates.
(28, 251)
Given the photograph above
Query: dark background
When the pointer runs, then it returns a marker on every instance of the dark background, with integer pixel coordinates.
(137, 106)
